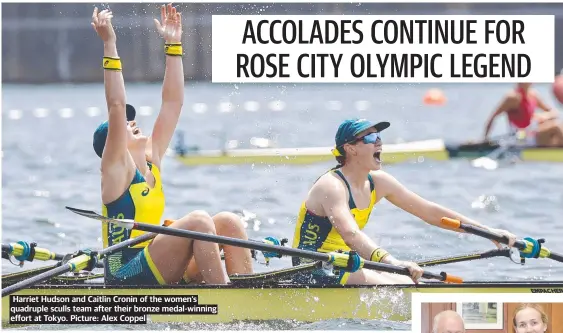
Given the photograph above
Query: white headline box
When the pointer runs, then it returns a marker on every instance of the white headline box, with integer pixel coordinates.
(382, 48)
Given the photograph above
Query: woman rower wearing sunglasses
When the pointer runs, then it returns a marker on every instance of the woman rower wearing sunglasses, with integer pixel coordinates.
(339, 205)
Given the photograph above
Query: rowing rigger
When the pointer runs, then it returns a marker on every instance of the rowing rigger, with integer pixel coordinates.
(21, 252)
(83, 261)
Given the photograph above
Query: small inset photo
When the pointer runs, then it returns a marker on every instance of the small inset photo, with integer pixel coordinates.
(492, 316)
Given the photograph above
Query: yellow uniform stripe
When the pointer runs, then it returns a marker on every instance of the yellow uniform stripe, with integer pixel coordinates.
(153, 267)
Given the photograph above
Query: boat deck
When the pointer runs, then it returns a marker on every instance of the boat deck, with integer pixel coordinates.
(418, 151)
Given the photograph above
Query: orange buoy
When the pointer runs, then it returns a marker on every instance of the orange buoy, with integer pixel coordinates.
(434, 97)
(558, 88)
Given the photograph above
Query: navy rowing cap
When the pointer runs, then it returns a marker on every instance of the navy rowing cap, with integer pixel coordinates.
(101, 133)
(349, 128)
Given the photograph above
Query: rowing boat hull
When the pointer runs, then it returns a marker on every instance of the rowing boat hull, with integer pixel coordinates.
(285, 302)
(392, 153)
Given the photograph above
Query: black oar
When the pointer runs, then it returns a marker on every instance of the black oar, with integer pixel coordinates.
(466, 257)
(337, 259)
(526, 246)
(75, 264)
(508, 253)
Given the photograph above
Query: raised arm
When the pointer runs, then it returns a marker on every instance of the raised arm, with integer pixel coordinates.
(115, 152)
(173, 85)
(427, 211)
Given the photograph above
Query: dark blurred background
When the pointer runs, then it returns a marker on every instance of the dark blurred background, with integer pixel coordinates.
(54, 43)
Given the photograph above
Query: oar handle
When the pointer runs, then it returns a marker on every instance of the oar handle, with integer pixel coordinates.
(24, 251)
(521, 245)
(443, 276)
(456, 224)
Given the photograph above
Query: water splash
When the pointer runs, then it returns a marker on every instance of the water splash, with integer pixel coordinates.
(486, 202)
(386, 301)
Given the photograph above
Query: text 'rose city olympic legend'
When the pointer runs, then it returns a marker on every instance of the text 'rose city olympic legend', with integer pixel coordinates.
(350, 32)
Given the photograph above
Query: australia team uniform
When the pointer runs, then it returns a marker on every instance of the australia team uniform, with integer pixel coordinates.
(316, 233)
(144, 204)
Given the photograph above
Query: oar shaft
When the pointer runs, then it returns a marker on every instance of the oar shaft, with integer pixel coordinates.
(556, 256)
(337, 259)
(37, 279)
(129, 242)
(254, 245)
(519, 244)
(259, 246)
(279, 249)
(466, 257)
(405, 271)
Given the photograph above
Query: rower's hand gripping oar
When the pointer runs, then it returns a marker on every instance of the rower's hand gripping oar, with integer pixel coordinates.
(529, 247)
(352, 262)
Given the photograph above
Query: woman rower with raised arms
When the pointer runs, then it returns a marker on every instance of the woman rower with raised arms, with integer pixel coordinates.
(131, 182)
(339, 205)
(519, 105)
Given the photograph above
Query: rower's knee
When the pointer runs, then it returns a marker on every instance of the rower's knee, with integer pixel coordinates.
(229, 224)
(198, 220)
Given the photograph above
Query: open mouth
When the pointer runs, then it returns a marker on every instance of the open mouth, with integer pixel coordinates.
(136, 130)
(377, 157)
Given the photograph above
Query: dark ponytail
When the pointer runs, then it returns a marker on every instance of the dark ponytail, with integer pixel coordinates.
(341, 160)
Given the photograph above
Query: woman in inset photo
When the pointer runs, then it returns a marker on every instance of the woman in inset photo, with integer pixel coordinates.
(530, 318)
